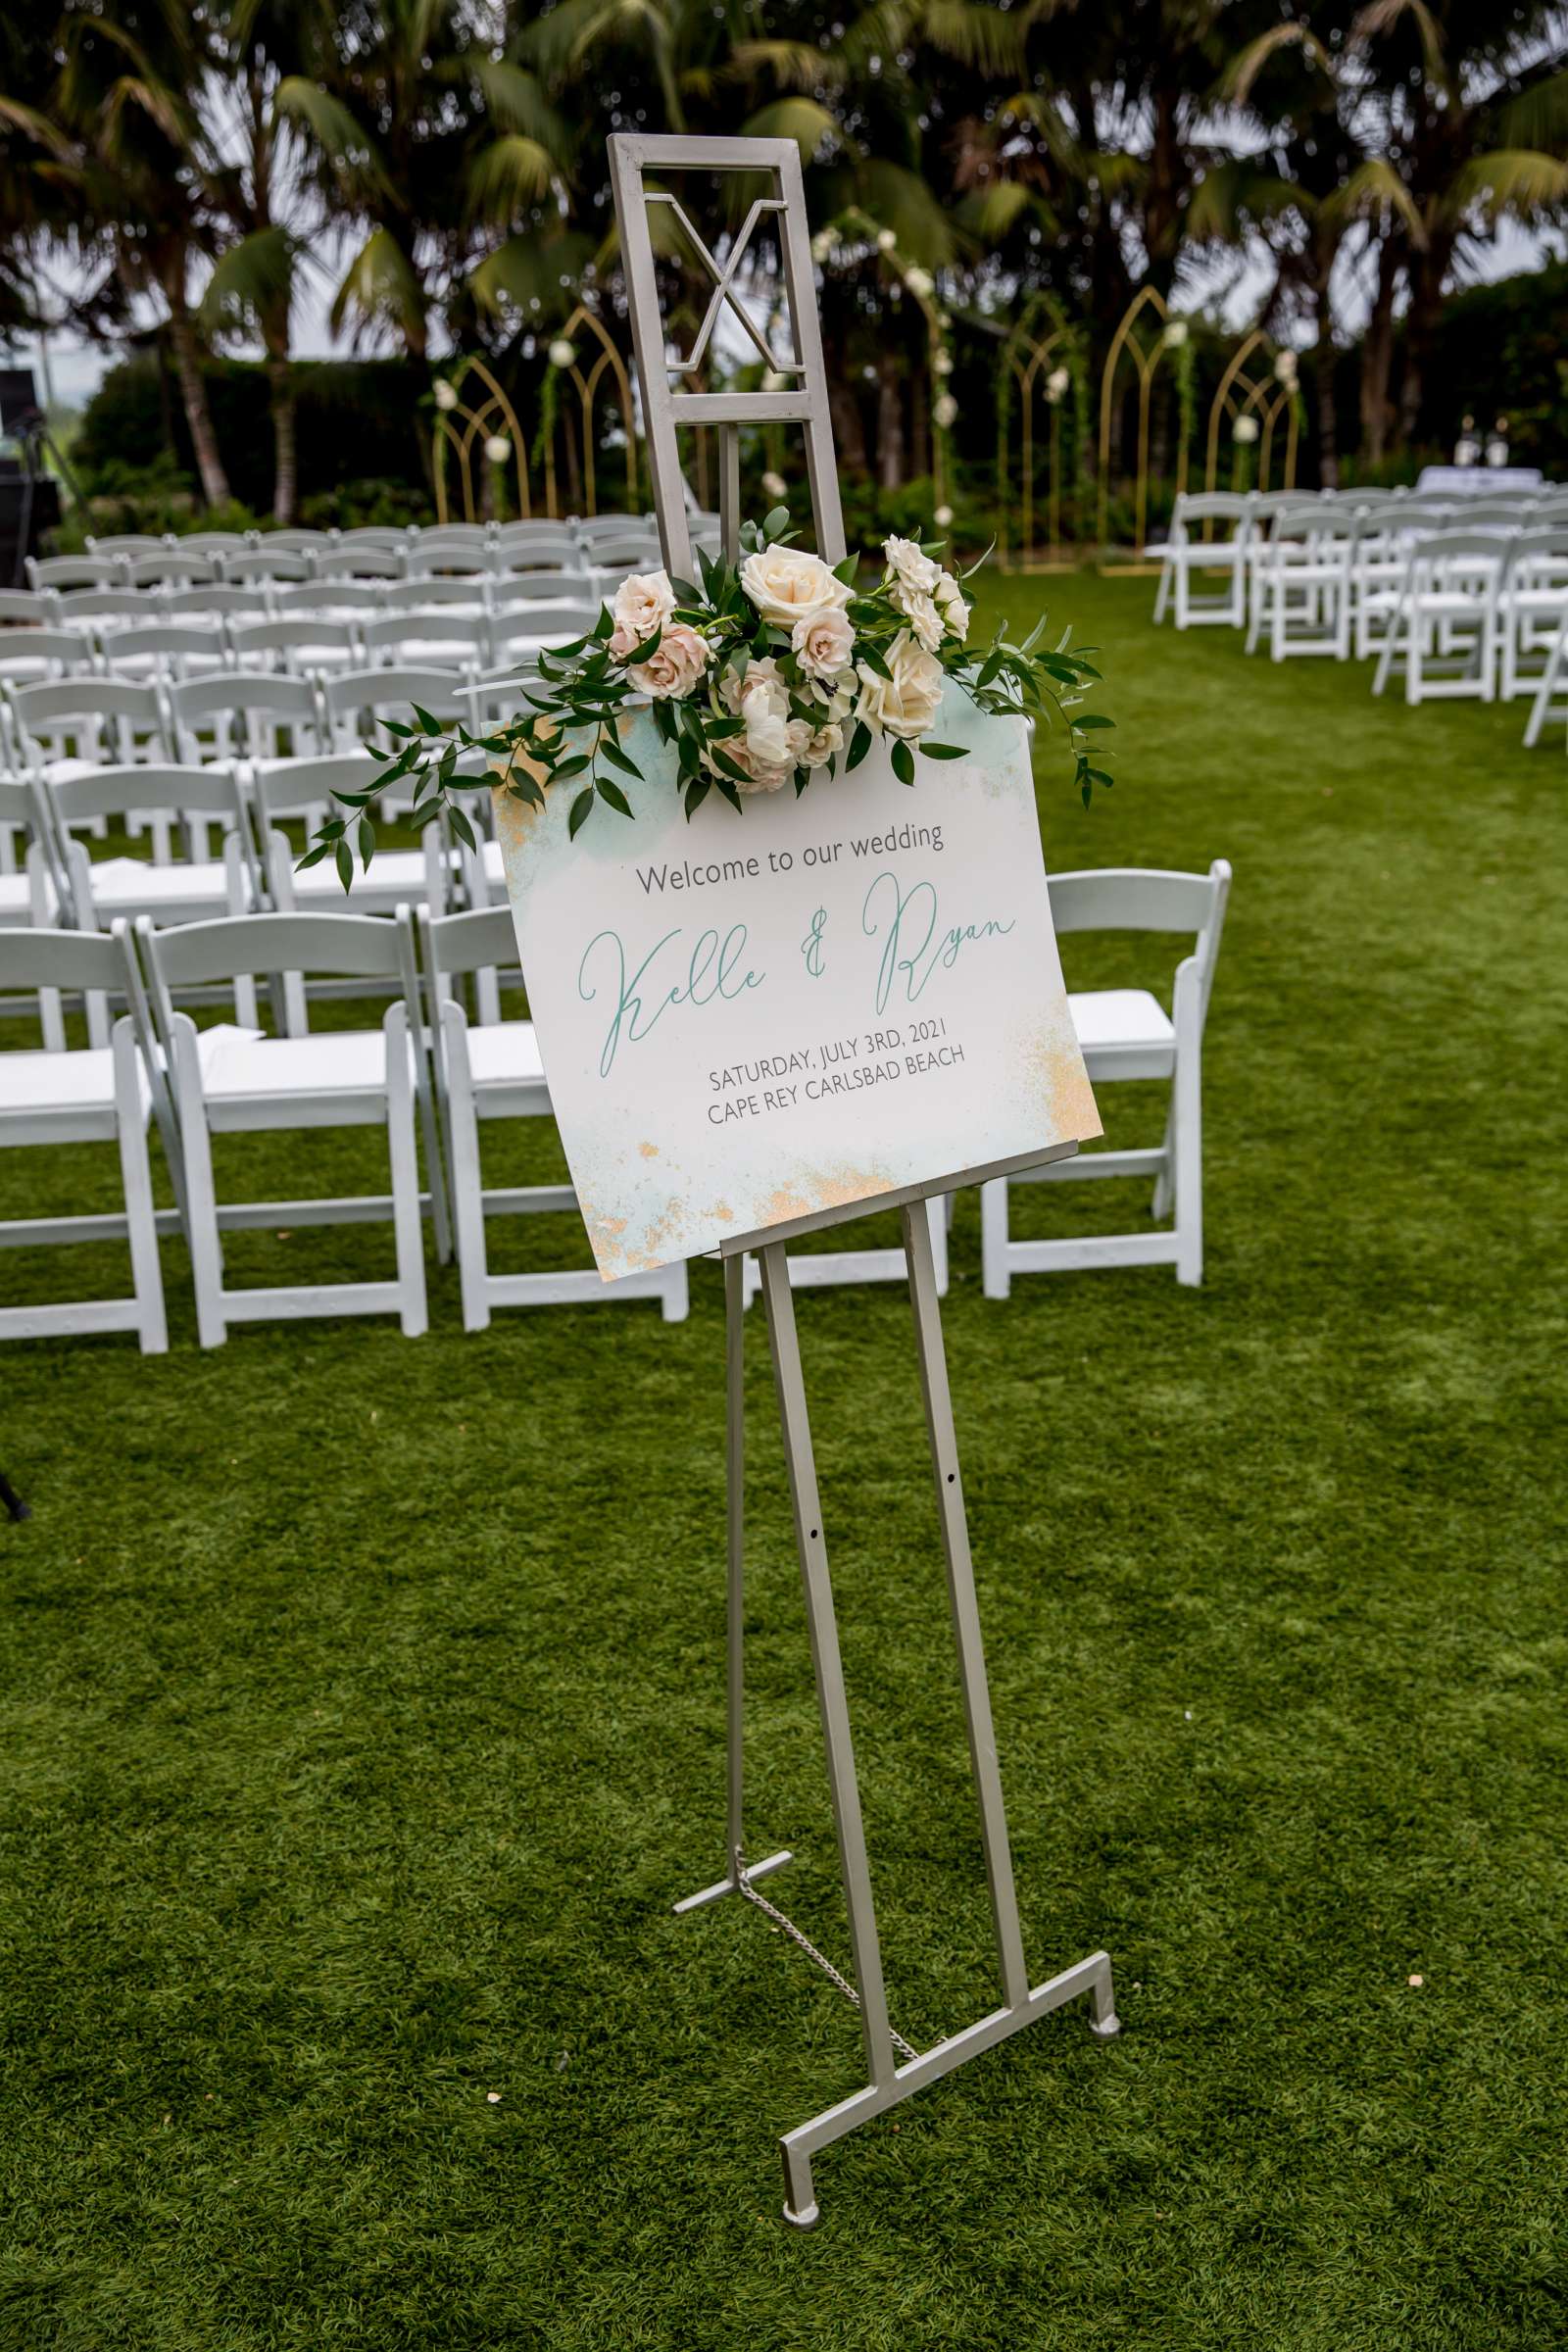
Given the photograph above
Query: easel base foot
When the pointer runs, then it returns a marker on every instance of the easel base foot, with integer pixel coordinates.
(729, 1885)
(798, 2147)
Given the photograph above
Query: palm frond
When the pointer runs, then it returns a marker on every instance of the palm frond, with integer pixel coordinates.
(1372, 189)
(527, 271)
(1517, 183)
(381, 288)
(1240, 78)
(984, 39)
(792, 65)
(904, 202)
(1537, 117)
(1232, 196)
(327, 125)
(516, 100)
(508, 177)
(1380, 17)
(991, 211)
(803, 120)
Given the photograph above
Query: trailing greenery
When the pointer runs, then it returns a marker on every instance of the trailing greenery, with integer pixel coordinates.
(777, 669)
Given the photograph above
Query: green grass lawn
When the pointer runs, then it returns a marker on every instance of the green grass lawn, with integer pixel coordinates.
(363, 1701)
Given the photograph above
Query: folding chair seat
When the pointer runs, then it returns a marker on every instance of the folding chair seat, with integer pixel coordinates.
(493, 1071)
(1193, 554)
(97, 1094)
(244, 715)
(249, 1084)
(30, 654)
(1127, 1034)
(297, 644)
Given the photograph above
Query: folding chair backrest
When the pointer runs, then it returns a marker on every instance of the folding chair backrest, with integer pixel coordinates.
(1146, 898)
(241, 708)
(375, 535)
(213, 542)
(106, 719)
(78, 604)
(296, 542)
(302, 787)
(542, 588)
(374, 562)
(355, 697)
(162, 791)
(407, 595)
(481, 939)
(637, 551)
(591, 528)
(168, 642)
(435, 624)
(91, 962)
(1440, 550)
(331, 596)
(220, 600)
(299, 638)
(64, 650)
(1214, 505)
(173, 568)
(26, 606)
(266, 563)
(1546, 550)
(357, 947)
(128, 543)
(75, 572)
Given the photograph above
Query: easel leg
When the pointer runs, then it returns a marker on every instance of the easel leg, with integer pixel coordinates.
(735, 1600)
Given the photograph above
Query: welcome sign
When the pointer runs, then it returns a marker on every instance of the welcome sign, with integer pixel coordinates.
(748, 1019)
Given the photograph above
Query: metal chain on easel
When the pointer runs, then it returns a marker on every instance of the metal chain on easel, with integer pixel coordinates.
(834, 1975)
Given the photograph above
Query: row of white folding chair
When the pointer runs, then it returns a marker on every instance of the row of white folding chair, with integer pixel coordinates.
(249, 567)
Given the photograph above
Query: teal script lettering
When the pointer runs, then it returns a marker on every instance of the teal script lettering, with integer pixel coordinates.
(711, 971)
(915, 944)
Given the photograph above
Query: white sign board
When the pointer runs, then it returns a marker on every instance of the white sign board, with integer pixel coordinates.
(748, 1019)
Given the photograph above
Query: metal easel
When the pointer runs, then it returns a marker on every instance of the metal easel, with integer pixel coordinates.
(894, 2068)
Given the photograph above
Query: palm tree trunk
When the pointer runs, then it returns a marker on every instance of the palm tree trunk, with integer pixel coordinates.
(1376, 356)
(193, 391)
(286, 455)
(1428, 273)
(1323, 358)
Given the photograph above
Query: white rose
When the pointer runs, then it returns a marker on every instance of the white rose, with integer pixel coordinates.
(921, 282)
(823, 642)
(954, 612)
(1056, 385)
(1285, 367)
(643, 603)
(941, 517)
(1246, 429)
(775, 486)
(824, 245)
(498, 449)
(446, 395)
(910, 568)
(788, 584)
(815, 747)
(945, 408)
(677, 665)
(920, 612)
(907, 703)
(1175, 334)
(772, 380)
(763, 753)
(561, 352)
(885, 240)
(943, 362)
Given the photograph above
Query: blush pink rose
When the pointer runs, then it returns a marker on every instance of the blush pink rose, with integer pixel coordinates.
(677, 665)
(823, 642)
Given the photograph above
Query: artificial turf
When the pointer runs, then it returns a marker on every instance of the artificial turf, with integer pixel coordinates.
(362, 1700)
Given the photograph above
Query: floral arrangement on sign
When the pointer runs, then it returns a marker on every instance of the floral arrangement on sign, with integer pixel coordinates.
(775, 671)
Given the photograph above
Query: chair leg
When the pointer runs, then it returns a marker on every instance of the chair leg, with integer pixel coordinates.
(1165, 1182)
(1540, 708)
(147, 1279)
(201, 1198)
(996, 1274)
(468, 1200)
(1187, 1108)
(408, 1225)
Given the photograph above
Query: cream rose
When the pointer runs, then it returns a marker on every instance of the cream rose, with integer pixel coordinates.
(675, 665)
(815, 747)
(908, 566)
(823, 642)
(642, 603)
(908, 702)
(951, 605)
(789, 584)
(922, 616)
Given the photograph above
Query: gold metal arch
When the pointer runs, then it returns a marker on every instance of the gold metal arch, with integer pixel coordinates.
(1025, 361)
(465, 431)
(1145, 365)
(586, 384)
(1267, 398)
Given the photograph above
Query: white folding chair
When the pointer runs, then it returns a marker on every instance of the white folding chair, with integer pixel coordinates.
(443, 635)
(93, 607)
(30, 607)
(344, 1078)
(180, 565)
(1445, 626)
(129, 543)
(247, 566)
(218, 603)
(243, 715)
(492, 1070)
(1303, 582)
(456, 553)
(1532, 607)
(622, 551)
(356, 702)
(523, 547)
(518, 637)
(285, 790)
(467, 595)
(98, 1095)
(375, 559)
(320, 598)
(1125, 1032)
(169, 803)
(1193, 557)
(34, 892)
(87, 721)
(77, 572)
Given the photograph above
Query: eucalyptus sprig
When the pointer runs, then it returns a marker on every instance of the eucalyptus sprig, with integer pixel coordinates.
(775, 668)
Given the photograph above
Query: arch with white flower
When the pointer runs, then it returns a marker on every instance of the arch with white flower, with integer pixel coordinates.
(1246, 410)
(1042, 366)
(483, 437)
(854, 240)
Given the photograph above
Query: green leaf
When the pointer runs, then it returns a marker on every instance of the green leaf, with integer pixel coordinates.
(696, 794)
(568, 767)
(345, 865)
(942, 751)
(1092, 718)
(776, 520)
(581, 811)
(617, 758)
(611, 792)
(727, 766)
(432, 726)
(859, 745)
(872, 660)
(902, 761)
(367, 843)
(463, 830)
(311, 856)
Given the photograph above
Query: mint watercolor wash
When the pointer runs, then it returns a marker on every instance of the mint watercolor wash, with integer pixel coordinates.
(776, 669)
